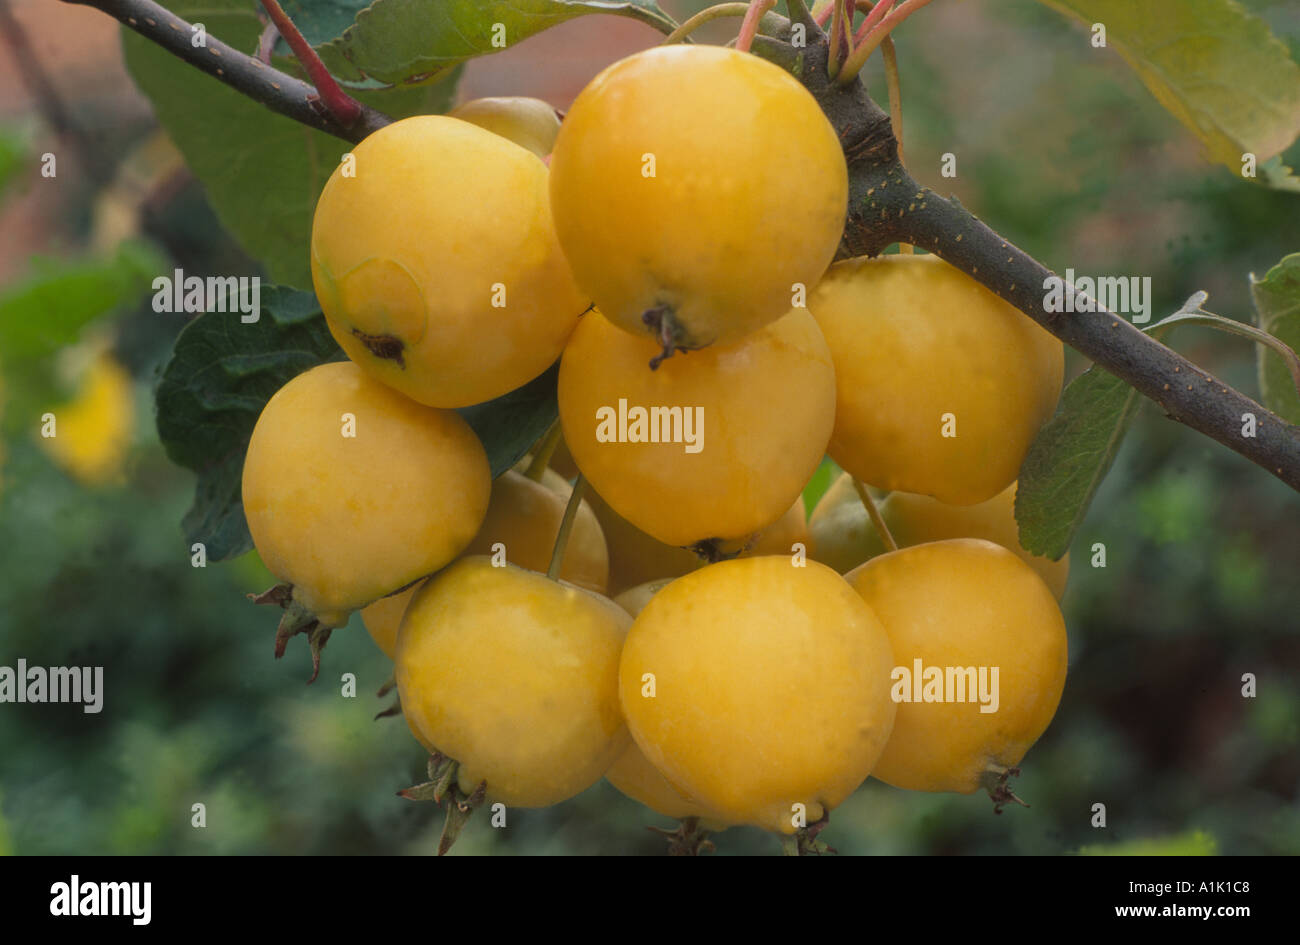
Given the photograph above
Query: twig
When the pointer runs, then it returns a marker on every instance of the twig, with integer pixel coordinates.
(345, 109)
(886, 206)
(279, 92)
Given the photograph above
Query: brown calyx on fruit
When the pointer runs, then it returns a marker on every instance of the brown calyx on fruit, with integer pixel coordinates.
(714, 550)
(806, 842)
(384, 347)
(994, 780)
(443, 788)
(295, 619)
(689, 839)
(662, 323)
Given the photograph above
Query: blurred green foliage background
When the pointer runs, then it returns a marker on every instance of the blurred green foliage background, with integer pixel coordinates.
(1063, 151)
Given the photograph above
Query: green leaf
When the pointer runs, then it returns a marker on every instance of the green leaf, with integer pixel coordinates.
(48, 309)
(1192, 843)
(220, 376)
(1278, 176)
(512, 423)
(1277, 303)
(319, 21)
(821, 481)
(408, 41)
(1069, 458)
(262, 171)
(1213, 65)
(223, 371)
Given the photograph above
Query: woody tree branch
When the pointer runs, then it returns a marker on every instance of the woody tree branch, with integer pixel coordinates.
(278, 91)
(886, 205)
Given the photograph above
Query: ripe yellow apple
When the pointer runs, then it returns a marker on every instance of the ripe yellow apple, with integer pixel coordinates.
(435, 262)
(694, 188)
(715, 444)
(985, 621)
(941, 385)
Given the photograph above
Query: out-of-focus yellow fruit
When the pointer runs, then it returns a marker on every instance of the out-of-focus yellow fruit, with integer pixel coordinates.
(348, 519)
(693, 188)
(516, 677)
(528, 122)
(524, 517)
(383, 618)
(93, 431)
(759, 689)
(562, 461)
(842, 536)
(840, 532)
(959, 607)
(634, 556)
(714, 444)
(436, 263)
(941, 384)
(634, 599)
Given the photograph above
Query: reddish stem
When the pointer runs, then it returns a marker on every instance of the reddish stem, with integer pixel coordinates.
(896, 16)
(266, 42)
(875, 16)
(824, 16)
(749, 25)
(345, 109)
(853, 65)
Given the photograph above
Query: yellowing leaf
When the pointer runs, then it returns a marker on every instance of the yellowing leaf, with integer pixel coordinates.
(1213, 65)
(1277, 301)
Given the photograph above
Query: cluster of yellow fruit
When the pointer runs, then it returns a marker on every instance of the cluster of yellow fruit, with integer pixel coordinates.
(676, 256)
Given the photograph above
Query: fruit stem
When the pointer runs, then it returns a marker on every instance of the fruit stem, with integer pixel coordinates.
(798, 11)
(874, 513)
(749, 26)
(840, 32)
(546, 447)
(875, 13)
(266, 43)
(706, 15)
(892, 83)
(566, 526)
(663, 324)
(345, 109)
(853, 65)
